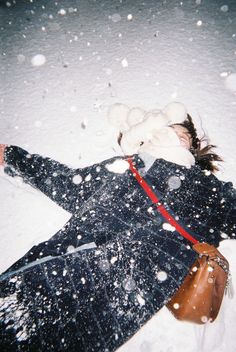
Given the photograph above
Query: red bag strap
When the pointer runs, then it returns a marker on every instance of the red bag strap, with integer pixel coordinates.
(160, 207)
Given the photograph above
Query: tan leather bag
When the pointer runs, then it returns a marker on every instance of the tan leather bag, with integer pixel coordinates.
(199, 298)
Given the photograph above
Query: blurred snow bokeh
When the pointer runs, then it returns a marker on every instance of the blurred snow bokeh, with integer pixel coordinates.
(64, 62)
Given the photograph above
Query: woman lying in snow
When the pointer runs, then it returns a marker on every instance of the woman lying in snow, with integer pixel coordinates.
(116, 262)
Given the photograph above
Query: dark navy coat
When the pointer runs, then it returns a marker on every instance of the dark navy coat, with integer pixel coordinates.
(116, 262)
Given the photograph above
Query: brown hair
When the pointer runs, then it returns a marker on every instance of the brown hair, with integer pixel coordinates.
(204, 157)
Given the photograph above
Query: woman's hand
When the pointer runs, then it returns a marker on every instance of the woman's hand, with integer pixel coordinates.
(2, 148)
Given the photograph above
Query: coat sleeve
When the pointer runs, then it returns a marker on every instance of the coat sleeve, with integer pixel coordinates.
(228, 211)
(69, 188)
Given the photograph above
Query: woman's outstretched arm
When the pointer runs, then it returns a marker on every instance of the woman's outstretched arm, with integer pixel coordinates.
(69, 188)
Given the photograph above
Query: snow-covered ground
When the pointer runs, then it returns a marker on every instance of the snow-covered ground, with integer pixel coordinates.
(64, 62)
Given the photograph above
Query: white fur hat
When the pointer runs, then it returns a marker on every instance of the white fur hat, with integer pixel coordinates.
(121, 116)
(150, 132)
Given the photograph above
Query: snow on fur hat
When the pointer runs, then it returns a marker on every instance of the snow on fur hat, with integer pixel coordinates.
(149, 132)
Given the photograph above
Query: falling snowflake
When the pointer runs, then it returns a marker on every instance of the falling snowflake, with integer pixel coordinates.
(73, 108)
(204, 319)
(176, 305)
(113, 260)
(224, 8)
(72, 10)
(104, 264)
(194, 269)
(38, 60)
(224, 74)
(129, 284)
(77, 179)
(70, 249)
(62, 12)
(210, 268)
(174, 182)
(141, 300)
(230, 82)
(116, 17)
(161, 275)
(124, 63)
(224, 235)
(168, 227)
(88, 178)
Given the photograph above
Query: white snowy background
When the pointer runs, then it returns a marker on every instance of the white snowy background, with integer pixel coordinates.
(62, 63)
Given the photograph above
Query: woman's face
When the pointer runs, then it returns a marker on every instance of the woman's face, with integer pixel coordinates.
(184, 135)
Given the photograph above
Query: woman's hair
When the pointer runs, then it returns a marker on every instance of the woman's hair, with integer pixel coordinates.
(204, 157)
